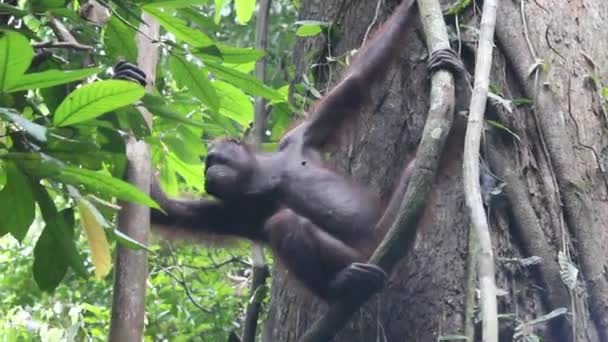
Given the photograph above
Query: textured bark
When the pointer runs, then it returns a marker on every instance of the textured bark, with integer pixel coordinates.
(426, 293)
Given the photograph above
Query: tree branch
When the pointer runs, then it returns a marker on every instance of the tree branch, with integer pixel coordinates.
(128, 309)
(260, 269)
(472, 191)
(401, 236)
(62, 45)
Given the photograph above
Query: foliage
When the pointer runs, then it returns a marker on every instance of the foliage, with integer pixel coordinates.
(62, 157)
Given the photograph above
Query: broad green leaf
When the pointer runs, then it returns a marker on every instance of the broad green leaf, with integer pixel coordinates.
(104, 184)
(131, 119)
(179, 28)
(50, 264)
(157, 107)
(309, 28)
(192, 174)
(92, 100)
(43, 5)
(12, 10)
(235, 104)
(50, 78)
(119, 40)
(186, 144)
(246, 82)
(244, 10)
(174, 3)
(93, 222)
(33, 129)
(229, 54)
(196, 79)
(16, 54)
(35, 164)
(60, 226)
(195, 17)
(17, 203)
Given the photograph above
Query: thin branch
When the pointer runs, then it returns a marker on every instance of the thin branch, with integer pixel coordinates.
(472, 190)
(182, 282)
(401, 236)
(62, 45)
(128, 306)
(260, 269)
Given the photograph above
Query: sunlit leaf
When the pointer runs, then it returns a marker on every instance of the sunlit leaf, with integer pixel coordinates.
(16, 54)
(50, 78)
(17, 203)
(219, 5)
(93, 222)
(179, 27)
(245, 82)
(309, 28)
(244, 10)
(92, 100)
(196, 79)
(156, 106)
(98, 182)
(174, 3)
(235, 104)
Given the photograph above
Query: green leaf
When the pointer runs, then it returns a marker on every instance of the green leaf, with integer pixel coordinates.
(12, 10)
(309, 28)
(33, 129)
(201, 20)
(219, 5)
(43, 5)
(50, 78)
(16, 54)
(98, 182)
(244, 10)
(235, 104)
(92, 100)
(157, 106)
(49, 267)
(129, 242)
(174, 3)
(246, 82)
(229, 54)
(17, 203)
(2, 177)
(186, 144)
(179, 28)
(119, 40)
(60, 226)
(196, 79)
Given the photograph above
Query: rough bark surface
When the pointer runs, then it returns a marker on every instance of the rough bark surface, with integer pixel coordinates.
(426, 293)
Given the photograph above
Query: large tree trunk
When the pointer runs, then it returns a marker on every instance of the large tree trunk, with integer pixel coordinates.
(555, 199)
